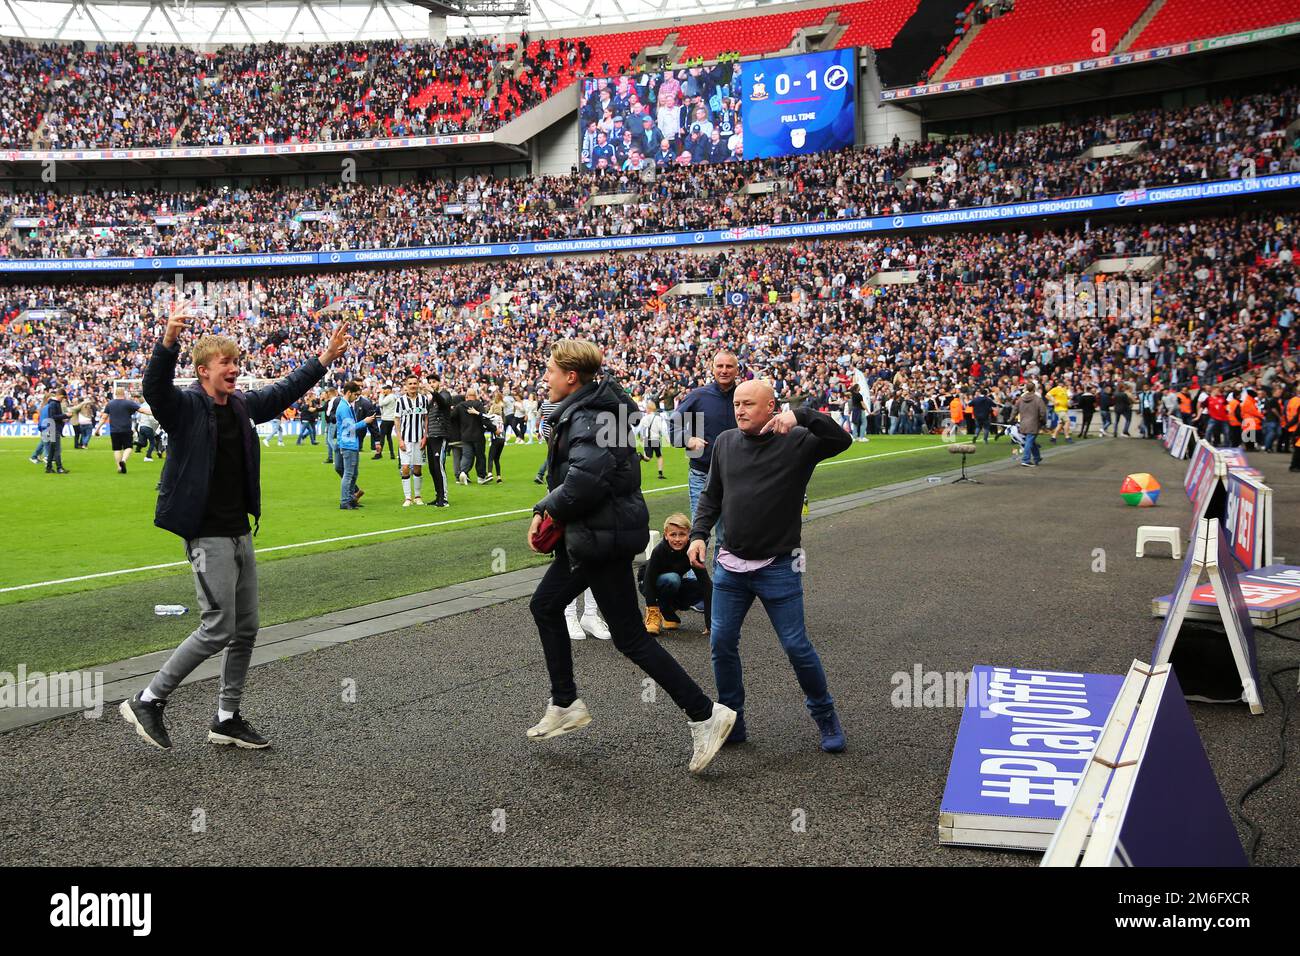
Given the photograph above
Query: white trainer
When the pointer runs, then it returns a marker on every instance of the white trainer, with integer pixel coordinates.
(406, 503)
(592, 623)
(576, 632)
(558, 721)
(709, 735)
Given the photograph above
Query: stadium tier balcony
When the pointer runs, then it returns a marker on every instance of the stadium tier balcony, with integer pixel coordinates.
(1044, 32)
(1180, 20)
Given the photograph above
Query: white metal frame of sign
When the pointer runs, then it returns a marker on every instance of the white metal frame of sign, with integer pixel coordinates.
(1129, 718)
(1203, 555)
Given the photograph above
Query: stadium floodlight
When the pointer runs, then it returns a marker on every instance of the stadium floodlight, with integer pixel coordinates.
(475, 8)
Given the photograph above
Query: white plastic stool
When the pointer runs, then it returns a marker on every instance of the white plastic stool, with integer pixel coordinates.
(655, 536)
(1148, 533)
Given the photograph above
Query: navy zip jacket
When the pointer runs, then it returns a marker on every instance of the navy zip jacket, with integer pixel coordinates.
(191, 425)
(719, 416)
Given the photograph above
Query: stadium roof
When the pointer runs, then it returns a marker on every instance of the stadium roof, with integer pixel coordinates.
(296, 21)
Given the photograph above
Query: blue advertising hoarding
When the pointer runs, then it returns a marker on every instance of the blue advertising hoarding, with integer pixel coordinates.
(1021, 751)
(829, 229)
(793, 105)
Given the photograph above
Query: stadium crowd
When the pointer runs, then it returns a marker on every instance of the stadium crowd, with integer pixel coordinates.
(988, 310)
(1208, 142)
(69, 96)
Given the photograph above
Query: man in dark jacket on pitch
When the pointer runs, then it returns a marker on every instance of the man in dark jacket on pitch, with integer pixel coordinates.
(438, 427)
(470, 451)
(210, 484)
(594, 477)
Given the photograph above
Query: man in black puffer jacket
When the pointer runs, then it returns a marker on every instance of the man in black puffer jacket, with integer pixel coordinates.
(594, 478)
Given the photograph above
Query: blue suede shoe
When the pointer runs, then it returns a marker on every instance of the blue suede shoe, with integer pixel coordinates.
(832, 732)
(738, 734)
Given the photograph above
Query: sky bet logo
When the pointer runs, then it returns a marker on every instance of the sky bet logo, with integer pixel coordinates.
(76, 909)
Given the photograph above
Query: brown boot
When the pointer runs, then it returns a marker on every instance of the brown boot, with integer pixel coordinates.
(653, 620)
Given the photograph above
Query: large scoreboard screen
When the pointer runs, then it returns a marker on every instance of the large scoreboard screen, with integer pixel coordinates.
(799, 104)
(721, 113)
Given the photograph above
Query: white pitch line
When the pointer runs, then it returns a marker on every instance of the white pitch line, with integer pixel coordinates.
(414, 527)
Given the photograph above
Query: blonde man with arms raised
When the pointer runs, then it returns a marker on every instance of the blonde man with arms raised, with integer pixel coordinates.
(210, 485)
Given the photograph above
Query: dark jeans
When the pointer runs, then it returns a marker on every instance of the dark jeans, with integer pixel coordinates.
(1217, 433)
(1087, 423)
(436, 449)
(613, 585)
(148, 438)
(386, 436)
(469, 453)
(307, 426)
(83, 436)
(982, 428)
(54, 451)
(494, 456)
(780, 588)
(675, 592)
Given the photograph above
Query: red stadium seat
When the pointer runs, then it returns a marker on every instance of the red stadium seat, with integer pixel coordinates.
(1043, 32)
(1180, 20)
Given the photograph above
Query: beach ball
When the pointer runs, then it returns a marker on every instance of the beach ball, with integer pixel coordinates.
(1140, 490)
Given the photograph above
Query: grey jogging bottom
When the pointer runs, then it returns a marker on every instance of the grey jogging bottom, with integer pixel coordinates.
(225, 580)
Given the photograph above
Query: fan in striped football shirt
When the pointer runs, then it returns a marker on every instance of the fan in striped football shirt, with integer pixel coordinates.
(410, 413)
(544, 429)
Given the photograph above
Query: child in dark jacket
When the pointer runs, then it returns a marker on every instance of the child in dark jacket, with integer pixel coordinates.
(666, 587)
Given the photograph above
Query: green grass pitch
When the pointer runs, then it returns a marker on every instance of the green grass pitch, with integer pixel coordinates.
(96, 526)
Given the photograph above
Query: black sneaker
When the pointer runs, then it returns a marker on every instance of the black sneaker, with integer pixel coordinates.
(236, 731)
(121, 468)
(441, 504)
(147, 718)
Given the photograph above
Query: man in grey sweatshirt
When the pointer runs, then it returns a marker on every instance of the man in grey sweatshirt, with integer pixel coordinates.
(756, 484)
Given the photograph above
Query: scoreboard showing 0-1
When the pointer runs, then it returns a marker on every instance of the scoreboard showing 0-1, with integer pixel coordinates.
(799, 104)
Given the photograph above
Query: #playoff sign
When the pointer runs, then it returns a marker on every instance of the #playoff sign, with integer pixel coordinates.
(1020, 751)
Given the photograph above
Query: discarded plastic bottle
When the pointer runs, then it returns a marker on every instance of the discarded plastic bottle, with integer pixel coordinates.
(170, 610)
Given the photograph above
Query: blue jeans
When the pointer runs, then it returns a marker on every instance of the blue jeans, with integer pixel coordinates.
(345, 463)
(1271, 430)
(331, 442)
(982, 428)
(780, 588)
(1031, 450)
(893, 424)
(676, 592)
(695, 482)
